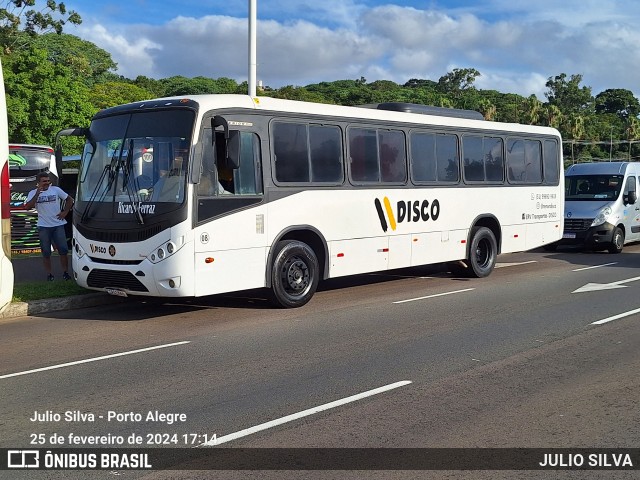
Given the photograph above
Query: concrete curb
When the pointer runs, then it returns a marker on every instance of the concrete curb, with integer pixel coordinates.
(36, 307)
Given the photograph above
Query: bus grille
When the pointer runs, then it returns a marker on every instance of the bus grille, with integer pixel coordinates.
(115, 236)
(99, 278)
(577, 224)
(109, 261)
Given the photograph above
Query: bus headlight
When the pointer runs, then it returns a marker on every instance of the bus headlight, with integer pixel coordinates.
(165, 251)
(602, 217)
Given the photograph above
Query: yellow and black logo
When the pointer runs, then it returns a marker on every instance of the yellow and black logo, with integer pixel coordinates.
(406, 211)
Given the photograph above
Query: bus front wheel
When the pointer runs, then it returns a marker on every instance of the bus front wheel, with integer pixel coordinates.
(294, 274)
(482, 252)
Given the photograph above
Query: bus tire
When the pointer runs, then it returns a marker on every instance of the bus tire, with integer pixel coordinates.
(294, 274)
(483, 252)
(617, 241)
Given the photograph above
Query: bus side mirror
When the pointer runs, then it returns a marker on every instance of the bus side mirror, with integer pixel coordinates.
(58, 155)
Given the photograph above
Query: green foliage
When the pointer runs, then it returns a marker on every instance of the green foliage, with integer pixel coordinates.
(619, 101)
(111, 94)
(42, 97)
(458, 80)
(88, 62)
(568, 95)
(176, 86)
(17, 18)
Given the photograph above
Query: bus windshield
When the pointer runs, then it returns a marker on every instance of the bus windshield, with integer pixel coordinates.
(593, 187)
(28, 160)
(137, 158)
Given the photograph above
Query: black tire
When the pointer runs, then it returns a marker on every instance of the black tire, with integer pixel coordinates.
(483, 252)
(294, 274)
(550, 247)
(617, 241)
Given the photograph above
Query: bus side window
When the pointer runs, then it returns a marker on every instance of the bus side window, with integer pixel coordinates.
(247, 180)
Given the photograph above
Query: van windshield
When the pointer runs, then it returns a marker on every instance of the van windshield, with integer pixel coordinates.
(593, 187)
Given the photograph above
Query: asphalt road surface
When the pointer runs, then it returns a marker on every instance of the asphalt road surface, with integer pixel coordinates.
(541, 354)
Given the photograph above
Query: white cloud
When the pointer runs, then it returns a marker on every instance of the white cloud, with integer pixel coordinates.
(515, 44)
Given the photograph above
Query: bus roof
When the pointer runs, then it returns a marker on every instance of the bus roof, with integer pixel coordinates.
(224, 101)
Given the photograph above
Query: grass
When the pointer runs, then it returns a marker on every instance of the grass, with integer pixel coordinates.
(24, 292)
(27, 291)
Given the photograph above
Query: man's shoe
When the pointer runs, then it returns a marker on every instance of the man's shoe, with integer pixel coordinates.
(50, 278)
(66, 276)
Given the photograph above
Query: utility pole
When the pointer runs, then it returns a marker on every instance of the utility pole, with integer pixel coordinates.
(252, 48)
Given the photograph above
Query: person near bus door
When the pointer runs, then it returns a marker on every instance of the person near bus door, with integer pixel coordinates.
(46, 199)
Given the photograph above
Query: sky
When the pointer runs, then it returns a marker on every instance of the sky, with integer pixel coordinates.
(516, 45)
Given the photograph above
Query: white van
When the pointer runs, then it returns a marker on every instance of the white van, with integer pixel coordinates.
(601, 209)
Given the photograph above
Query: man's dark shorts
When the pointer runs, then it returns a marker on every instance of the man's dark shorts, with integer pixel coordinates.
(55, 236)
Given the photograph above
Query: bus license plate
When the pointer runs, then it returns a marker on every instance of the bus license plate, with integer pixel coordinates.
(116, 292)
(569, 235)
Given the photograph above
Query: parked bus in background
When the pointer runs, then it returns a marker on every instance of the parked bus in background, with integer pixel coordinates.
(219, 193)
(6, 267)
(25, 162)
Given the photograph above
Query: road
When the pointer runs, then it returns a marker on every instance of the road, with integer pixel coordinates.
(541, 354)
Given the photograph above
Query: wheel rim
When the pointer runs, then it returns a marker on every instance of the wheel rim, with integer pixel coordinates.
(295, 276)
(618, 241)
(483, 253)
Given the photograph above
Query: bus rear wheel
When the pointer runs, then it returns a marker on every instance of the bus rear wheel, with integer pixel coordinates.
(294, 274)
(482, 252)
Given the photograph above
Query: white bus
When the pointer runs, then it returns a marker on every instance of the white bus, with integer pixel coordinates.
(6, 267)
(219, 193)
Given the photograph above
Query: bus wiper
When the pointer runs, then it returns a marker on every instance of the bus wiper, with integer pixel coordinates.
(92, 199)
(126, 176)
(112, 171)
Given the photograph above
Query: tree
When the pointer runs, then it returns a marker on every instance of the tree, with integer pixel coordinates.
(298, 93)
(18, 22)
(180, 85)
(87, 61)
(568, 95)
(110, 94)
(620, 101)
(487, 109)
(458, 80)
(42, 97)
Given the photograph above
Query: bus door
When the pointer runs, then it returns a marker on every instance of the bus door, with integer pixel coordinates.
(227, 228)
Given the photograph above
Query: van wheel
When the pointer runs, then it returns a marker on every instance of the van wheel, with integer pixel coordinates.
(551, 247)
(294, 274)
(482, 252)
(617, 242)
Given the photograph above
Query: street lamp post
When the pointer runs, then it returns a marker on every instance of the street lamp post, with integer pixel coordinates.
(252, 48)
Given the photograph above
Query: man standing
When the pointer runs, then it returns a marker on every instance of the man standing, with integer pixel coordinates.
(46, 199)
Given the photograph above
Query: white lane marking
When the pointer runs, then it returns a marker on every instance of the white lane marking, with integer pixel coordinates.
(616, 317)
(88, 360)
(304, 413)
(516, 264)
(435, 295)
(594, 266)
(592, 287)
